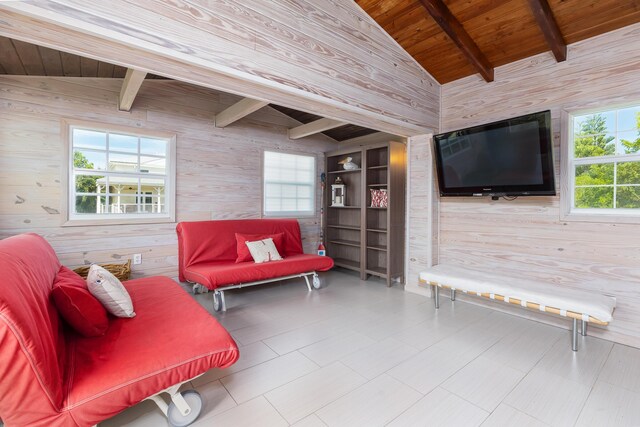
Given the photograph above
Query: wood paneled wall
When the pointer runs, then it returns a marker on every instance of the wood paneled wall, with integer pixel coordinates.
(218, 170)
(526, 237)
(327, 57)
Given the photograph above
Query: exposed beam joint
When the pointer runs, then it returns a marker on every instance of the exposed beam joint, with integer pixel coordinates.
(314, 127)
(130, 87)
(456, 32)
(550, 30)
(237, 111)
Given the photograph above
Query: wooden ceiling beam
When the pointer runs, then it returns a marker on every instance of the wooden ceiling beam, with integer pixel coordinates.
(550, 30)
(314, 127)
(237, 111)
(130, 87)
(456, 32)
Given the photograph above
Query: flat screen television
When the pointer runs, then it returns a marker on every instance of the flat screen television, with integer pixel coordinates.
(512, 157)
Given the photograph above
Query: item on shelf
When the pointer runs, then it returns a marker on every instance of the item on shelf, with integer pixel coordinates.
(338, 193)
(379, 198)
(348, 164)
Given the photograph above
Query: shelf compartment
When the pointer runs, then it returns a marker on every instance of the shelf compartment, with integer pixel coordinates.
(344, 227)
(377, 248)
(372, 207)
(344, 171)
(344, 207)
(346, 263)
(353, 243)
(378, 167)
(378, 185)
(375, 271)
(376, 230)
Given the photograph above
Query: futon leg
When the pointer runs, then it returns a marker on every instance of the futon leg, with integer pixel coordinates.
(574, 335)
(436, 295)
(583, 331)
(453, 294)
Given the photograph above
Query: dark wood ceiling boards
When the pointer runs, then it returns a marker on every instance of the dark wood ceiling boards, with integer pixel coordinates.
(504, 30)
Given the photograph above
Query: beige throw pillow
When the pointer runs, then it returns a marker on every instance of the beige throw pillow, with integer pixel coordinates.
(263, 251)
(110, 292)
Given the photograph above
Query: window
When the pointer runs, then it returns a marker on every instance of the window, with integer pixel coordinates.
(289, 184)
(120, 176)
(604, 162)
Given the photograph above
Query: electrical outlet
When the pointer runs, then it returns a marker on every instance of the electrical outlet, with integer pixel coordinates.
(137, 259)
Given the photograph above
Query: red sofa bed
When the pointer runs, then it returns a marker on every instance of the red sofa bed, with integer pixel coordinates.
(51, 376)
(207, 253)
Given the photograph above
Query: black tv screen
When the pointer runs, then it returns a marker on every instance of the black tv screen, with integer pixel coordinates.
(512, 157)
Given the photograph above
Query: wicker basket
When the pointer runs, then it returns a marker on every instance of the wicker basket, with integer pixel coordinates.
(121, 271)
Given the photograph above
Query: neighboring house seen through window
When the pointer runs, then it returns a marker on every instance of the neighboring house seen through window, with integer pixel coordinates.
(117, 175)
(289, 184)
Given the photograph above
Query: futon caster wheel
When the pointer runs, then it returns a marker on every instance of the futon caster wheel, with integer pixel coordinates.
(316, 282)
(217, 302)
(196, 289)
(193, 399)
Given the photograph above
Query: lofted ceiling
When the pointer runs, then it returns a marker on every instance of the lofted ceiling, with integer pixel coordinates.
(504, 31)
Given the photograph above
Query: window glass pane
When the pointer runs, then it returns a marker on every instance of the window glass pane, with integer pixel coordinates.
(304, 191)
(628, 173)
(89, 139)
(89, 160)
(304, 205)
(89, 183)
(600, 174)
(594, 145)
(123, 203)
(288, 182)
(628, 197)
(273, 190)
(629, 118)
(125, 143)
(123, 162)
(157, 147)
(593, 124)
(594, 197)
(153, 165)
(629, 142)
(272, 205)
(152, 186)
(289, 205)
(89, 204)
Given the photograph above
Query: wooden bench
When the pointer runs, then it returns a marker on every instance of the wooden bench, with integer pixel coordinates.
(545, 297)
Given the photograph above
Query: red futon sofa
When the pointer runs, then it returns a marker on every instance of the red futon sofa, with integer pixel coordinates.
(51, 376)
(207, 252)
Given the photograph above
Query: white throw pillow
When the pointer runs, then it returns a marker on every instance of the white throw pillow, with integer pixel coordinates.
(263, 251)
(110, 292)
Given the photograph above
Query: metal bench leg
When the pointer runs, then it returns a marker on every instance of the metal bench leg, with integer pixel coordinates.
(306, 279)
(574, 335)
(436, 295)
(584, 328)
(453, 294)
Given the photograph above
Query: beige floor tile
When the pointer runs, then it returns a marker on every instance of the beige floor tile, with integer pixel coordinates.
(215, 398)
(304, 336)
(483, 382)
(622, 368)
(303, 396)
(378, 358)
(609, 405)
(374, 404)
(336, 347)
(310, 421)
(441, 408)
(256, 412)
(550, 398)
(250, 383)
(505, 416)
(144, 414)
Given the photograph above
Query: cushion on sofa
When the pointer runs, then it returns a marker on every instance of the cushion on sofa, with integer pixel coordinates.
(264, 251)
(244, 255)
(110, 292)
(81, 310)
(214, 274)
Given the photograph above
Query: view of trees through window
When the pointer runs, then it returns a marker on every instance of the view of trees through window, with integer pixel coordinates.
(606, 151)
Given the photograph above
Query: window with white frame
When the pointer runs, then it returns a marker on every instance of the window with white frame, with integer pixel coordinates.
(119, 175)
(289, 184)
(604, 162)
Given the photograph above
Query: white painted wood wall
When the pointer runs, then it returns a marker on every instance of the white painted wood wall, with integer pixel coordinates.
(218, 170)
(526, 236)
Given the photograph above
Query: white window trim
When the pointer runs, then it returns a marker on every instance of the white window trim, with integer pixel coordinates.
(71, 220)
(567, 176)
(288, 214)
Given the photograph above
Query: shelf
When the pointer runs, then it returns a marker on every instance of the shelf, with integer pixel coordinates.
(353, 243)
(376, 167)
(371, 207)
(377, 271)
(344, 227)
(377, 248)
(346, 263)
(344, 207)
(377, 230)
(344, 171)
(378, 185)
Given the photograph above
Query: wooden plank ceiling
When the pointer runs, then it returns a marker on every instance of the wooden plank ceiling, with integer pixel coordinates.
(21, 58)
(503, 30)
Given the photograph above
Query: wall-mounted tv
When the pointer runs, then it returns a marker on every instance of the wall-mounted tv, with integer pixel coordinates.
(512, 157)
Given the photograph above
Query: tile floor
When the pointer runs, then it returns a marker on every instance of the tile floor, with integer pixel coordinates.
(360, 354)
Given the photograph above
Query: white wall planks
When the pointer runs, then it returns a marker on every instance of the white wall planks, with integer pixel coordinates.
(218, 170)
(527, 237)
(338, 65)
